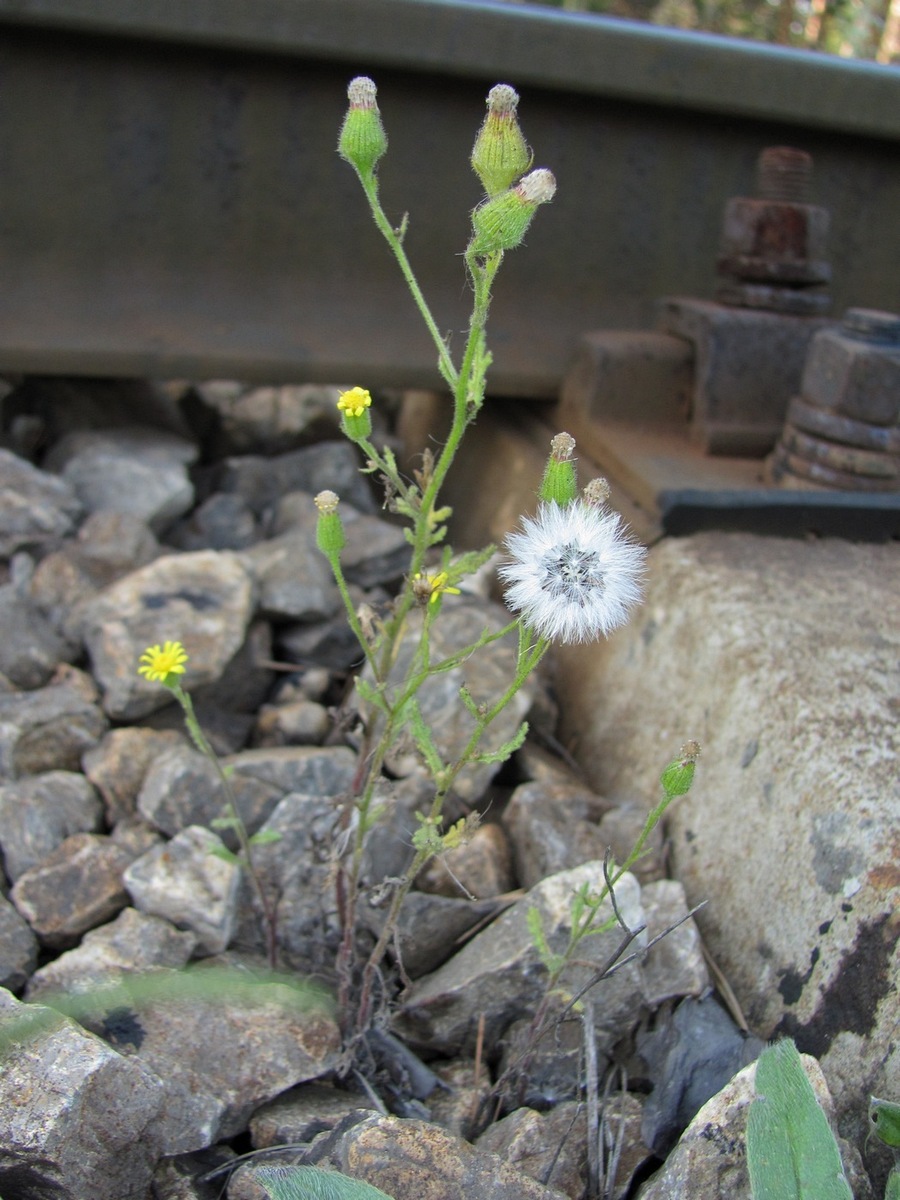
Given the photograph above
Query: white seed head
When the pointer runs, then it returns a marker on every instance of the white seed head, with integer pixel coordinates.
(561, 446)
(537, 187)
(502, 99)
(574, 574)
(361, 92)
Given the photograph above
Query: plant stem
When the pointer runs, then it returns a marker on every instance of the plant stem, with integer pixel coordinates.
(237, 823)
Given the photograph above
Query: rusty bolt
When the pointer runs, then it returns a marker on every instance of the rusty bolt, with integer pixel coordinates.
(854, 370)
(776, 237)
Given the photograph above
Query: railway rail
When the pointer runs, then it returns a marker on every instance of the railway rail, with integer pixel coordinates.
(171, 203)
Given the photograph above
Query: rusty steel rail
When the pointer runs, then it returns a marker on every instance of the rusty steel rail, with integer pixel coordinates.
(171, 203)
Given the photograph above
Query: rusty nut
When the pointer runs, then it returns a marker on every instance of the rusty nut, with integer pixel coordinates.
(854, 370)
(774, 241)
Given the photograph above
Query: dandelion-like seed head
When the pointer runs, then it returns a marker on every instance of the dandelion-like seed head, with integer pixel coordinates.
(691, 750)
(574, 574)
(159, 663)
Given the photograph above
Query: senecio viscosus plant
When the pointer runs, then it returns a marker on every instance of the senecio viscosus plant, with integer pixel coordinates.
(572, 574)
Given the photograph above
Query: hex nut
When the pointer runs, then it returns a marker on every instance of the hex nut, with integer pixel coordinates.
(774, 241)
(855, 378)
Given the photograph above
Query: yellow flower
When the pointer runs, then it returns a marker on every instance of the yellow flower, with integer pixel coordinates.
(428, 589)
(355, 402)
(159, 662)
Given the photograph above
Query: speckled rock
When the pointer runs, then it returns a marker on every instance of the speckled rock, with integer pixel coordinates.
(78, 1118)
(37, 510)
(18, 947)
(138, 470)
(183, 881)
(204, 600)
(73, 889)
(780, 658)
(499, 973)
(37, 814)
(222, 1056)
(116, 766)
(415, 1160)
(50, 728)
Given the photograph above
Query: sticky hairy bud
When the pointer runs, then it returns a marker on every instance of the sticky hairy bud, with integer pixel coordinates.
(559, 483)
(500, 153)
(678, 776)
(363, 140)
(501, 222)
(354, 407)
(329, 530)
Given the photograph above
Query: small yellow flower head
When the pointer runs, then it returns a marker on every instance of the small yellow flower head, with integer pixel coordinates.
(502, 222)
(355, 420)
(560, 482)
(500, 154)
(363, 140)
(329, 529)
(428, 589)
(163, 664)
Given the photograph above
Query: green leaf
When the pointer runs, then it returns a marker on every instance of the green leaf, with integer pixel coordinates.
(312, 1183)
(468, 563)
(885, 1120)
(226, 855)
(265, 837)
(370, 694)
(424, 741)
(892, 1187)
(551, 961)
(225, 823)
(502, 753)
(791, 1152)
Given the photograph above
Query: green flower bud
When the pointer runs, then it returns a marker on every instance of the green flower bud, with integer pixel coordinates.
(363, 140)
(501, 222)
(678, 776)
(559, 483)
(500, 154)
(329, 530)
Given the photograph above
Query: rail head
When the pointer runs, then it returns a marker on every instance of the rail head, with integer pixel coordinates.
(575, 52)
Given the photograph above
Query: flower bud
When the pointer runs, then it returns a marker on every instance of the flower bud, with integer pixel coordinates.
(329, 530)
(678, 776)
(500, 154)
(501, 222)
(559, 483)
(355, 420)
(363, 140)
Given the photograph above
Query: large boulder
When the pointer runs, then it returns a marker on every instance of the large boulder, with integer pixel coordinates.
(780, 657)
